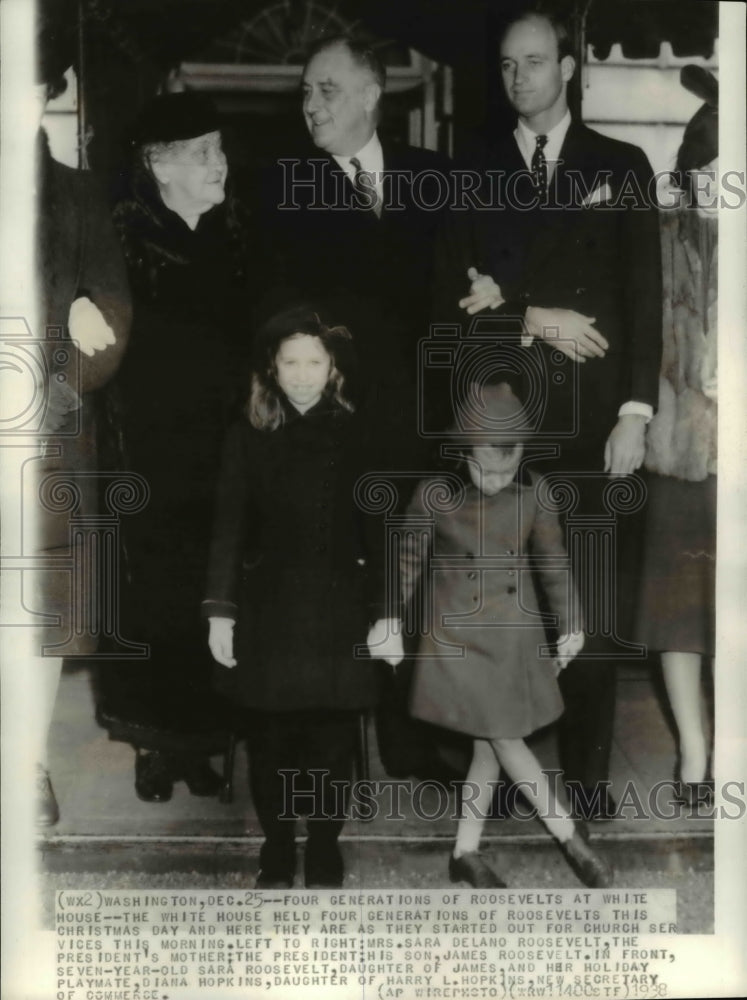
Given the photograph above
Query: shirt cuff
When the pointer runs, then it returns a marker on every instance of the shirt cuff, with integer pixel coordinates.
(634, 408)
(218, 609)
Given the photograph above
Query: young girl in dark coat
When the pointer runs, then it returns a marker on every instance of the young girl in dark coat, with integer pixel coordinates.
(293, 566)
(479, 669)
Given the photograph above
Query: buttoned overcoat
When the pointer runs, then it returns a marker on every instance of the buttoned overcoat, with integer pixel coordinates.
(480, 670)
(296, 562)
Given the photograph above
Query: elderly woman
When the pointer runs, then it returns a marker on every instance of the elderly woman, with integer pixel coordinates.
(185, 246)
(676, 611)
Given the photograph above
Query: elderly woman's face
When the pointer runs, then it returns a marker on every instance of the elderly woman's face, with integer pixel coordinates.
(191, 173)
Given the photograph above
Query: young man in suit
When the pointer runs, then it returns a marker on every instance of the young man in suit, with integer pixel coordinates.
(567, 245)
(352, 223)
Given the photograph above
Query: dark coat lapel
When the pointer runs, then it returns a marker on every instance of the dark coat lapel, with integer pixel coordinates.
(573, 175)
(339, 194)
(411, 162)
(393, 161)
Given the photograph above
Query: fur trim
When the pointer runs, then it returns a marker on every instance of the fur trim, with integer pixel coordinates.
(682, 436)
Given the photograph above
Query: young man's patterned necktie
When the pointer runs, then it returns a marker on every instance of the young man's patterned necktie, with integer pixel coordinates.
(539, 168)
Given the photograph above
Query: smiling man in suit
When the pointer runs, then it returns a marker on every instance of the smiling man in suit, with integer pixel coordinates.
(568, 247)
(354, 216)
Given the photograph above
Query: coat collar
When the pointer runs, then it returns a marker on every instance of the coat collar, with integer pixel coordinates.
(521, 481)
(326, 407)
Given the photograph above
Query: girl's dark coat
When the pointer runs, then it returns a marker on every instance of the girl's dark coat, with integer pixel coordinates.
(296, 562)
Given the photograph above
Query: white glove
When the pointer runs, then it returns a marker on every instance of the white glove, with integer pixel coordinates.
(569, 646)
(385, 641)
(220, 640)
(88, 328)
(484, 293)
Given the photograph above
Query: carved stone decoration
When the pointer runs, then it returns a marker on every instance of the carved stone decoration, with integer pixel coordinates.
(280, 34)
(264, 53)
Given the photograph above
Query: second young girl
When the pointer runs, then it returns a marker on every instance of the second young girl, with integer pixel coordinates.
(479, 668)
(293, 567)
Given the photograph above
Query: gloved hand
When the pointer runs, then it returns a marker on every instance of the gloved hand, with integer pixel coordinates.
(484, 293)
(88, 328)
(220, 641)
(710, 388)
(569, 646)
(385, 641)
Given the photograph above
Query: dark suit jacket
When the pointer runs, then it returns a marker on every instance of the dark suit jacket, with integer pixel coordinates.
(377, 271)
(602, 260)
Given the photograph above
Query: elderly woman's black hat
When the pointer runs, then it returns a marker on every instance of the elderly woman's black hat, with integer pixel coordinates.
(175, 117)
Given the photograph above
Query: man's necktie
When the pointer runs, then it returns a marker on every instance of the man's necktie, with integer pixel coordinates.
(364, 183)
(539, 168)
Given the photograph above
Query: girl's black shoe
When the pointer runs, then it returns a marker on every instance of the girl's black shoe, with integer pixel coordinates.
(471, 868)
(586, 863)
(277, 865)
(323, 865)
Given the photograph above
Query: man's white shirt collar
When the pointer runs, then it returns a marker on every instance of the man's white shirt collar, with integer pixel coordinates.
(371, 158)
(526, 140)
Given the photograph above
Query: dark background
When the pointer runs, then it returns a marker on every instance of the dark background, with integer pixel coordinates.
(124, 50)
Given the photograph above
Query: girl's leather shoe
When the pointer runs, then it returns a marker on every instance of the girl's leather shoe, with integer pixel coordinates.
(267, 879)
(586, 863)
(277, 865)
(323, 865)
(471, 868)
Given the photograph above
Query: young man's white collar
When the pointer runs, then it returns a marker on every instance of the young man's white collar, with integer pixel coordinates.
(526, 140)
(371, 158)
